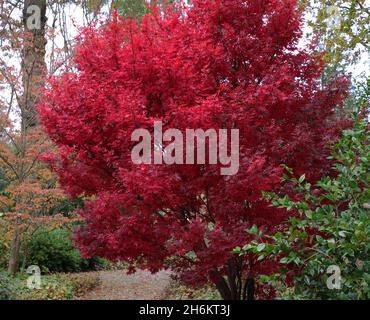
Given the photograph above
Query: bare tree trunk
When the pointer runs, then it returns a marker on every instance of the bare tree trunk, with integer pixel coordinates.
(249, 289)
(224, 289)
(34, 68)
(26, 252)
(14, 253)
(233, 287)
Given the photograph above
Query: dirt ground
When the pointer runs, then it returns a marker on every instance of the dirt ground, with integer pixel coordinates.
(142, 285)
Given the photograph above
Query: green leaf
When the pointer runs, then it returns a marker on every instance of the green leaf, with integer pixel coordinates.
(284, 260)
(260, 247)
(342, 234)
(237, 250)
(261, 257)
(253, 230)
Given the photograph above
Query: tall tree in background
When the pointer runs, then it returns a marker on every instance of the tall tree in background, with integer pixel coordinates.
(219, 64)
(135, 9)
(131, 8)
(127, 8)
(342, 28)
(34, 69)
(29, 190)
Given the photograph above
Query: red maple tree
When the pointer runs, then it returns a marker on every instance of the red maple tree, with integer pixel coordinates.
(217, 64)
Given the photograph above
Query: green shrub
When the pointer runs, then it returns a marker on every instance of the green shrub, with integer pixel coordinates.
(54, 252)
(329, 229)
(7, 286)
(4, 242)
(3, 251)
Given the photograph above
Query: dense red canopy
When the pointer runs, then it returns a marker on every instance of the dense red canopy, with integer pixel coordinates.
(219, 64)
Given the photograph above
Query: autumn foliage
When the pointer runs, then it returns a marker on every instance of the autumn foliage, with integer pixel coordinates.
(218, 64)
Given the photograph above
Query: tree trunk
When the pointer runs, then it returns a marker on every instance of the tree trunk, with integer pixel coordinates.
(223, 289)
(233, 287)
(250, 287)
(14, 253)
(26, 252)
(34, 68)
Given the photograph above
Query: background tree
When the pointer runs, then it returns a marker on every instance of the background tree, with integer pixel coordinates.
(29, 190)
(135, 9)
(33, 59)
(342, 28)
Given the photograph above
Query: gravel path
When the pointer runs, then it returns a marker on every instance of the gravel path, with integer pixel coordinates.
(142, 285)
